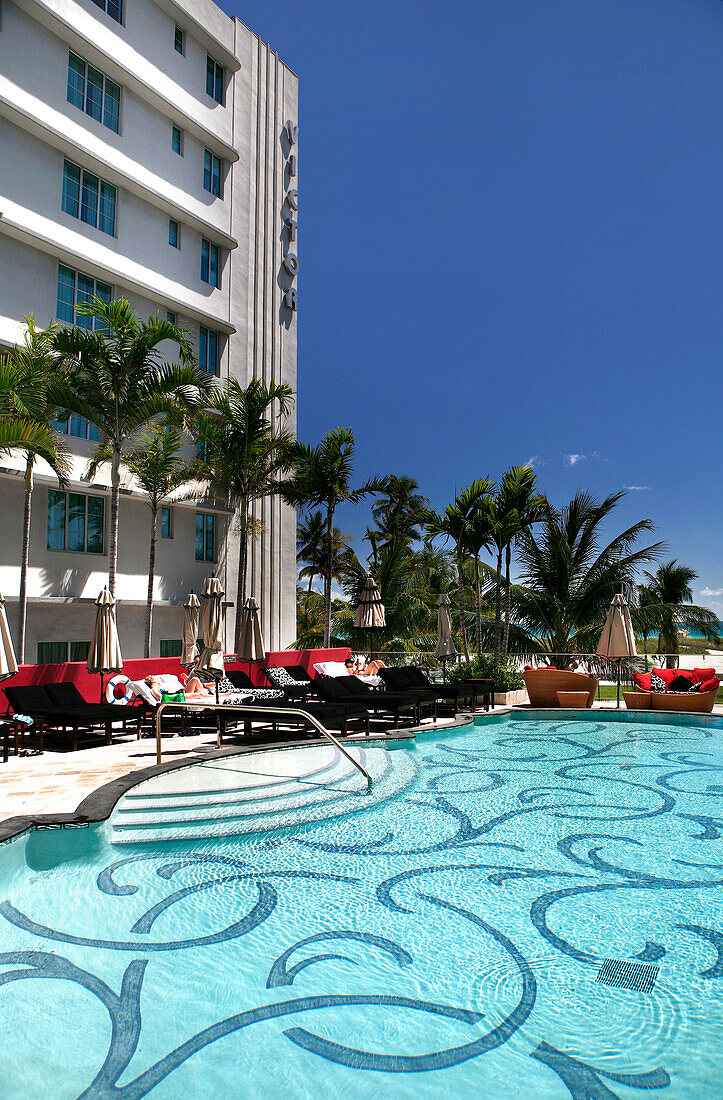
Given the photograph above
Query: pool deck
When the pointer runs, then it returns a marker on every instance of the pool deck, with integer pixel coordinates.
(57, 782)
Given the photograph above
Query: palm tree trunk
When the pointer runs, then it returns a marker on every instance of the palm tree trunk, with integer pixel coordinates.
(508, 600)
(460, 586)
(114, 502)
(243, 556)
(151, 575)
(25, 559)
(478, 605)
(327, 578)
(498, 608)
(308, 599)
(645, 650)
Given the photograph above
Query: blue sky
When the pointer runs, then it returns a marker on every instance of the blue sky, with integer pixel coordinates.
(510, 246)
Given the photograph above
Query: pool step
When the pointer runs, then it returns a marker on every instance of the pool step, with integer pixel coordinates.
(256, 792)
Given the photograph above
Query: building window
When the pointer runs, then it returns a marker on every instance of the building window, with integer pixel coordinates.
(52, 653)
(89, 198)
(79, 651)
(75, 522)
(177, 140)
(212, 173)
(178, 41)
(209, 262)
(114, 8)
(77, 426)
(208, 350)
(203, 451)
(74, 288)
(214, 79)
(171, 647)
(205, 536)
(174, 235)
(93, 93)
(166, 523)
(170, 317)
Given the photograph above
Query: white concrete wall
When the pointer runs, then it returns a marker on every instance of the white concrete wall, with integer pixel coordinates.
(38, 128)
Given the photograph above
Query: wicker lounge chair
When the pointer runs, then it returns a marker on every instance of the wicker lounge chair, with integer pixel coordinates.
(543, 685)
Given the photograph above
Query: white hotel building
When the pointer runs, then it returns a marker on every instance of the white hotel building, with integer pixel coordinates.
(147, 150)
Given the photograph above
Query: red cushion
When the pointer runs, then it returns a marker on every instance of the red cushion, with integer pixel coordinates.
(702, 674)
(669, 674)
(529, 668)
(544, 668)
(709, 685)
(642, 680)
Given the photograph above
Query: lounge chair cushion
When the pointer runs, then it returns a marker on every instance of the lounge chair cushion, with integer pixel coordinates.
(331, 668)
(683, 684)
(141, 688)
(279, 677)
(703, 674)
(657, 683)
(642, 680)
(709, 685)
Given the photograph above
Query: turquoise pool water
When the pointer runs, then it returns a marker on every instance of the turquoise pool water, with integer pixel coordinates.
(442, 936)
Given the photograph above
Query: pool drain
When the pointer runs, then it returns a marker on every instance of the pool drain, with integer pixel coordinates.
(628, 975)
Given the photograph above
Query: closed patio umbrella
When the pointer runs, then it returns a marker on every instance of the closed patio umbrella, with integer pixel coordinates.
(191, 613)
(617, 641)
(251, 640)
(210, 661)
(445, 644)
(8, 663)
(104, 654)
(370, 614)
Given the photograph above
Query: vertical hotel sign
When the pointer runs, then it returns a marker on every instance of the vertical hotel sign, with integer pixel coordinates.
(290, 216)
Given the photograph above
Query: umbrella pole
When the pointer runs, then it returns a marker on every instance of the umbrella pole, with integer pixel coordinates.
(619, 666)
(101, 687)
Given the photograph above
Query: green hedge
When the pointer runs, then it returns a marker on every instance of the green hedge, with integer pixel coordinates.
(506, 676)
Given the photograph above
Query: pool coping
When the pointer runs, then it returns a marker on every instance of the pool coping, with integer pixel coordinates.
(97, 806)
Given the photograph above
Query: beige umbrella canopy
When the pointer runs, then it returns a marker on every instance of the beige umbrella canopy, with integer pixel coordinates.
(445, 644)
(370, 614)
(617, 641)
(8, 663)
(191, 613)
(104, 654)
(210, 661)
(251, 640)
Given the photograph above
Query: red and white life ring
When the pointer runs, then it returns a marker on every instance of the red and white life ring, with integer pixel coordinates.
(119, 690)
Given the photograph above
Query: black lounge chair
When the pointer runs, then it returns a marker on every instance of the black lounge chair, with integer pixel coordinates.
(243, 682)
(398, 680)
(380, 702)
(334, 716)
(60, 708)
(466, 689)
(282, 678)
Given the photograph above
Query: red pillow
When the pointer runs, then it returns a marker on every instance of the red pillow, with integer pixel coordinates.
(702, 674)
(642, 680)
(670, 674)
(544, 668)
(529, 668)
(709, 685)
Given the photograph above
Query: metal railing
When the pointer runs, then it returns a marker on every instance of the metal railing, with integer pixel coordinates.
(246, 711)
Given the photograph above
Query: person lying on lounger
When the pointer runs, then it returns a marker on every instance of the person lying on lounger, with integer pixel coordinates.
(193, 690)
(359, 668)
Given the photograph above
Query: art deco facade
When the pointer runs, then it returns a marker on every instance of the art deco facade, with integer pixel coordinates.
(148, 148)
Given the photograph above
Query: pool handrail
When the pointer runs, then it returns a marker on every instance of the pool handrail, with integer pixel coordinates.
(258, 710)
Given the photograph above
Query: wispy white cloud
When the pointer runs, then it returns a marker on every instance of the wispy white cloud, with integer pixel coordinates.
(637, 488)
(711, 591)
(572, 459)
(534, 461)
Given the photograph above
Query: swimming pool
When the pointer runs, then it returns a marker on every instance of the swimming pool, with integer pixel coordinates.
(238, 932)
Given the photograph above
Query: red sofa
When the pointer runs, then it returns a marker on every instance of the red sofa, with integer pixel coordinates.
(700, 701)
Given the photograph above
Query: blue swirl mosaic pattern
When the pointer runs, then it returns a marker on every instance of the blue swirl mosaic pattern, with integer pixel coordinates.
(441, 938)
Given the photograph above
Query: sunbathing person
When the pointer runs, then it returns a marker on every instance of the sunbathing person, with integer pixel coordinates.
(359, 668)
(193, 691)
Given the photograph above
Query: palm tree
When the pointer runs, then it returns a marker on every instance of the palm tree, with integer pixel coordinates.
(456, 524)
(116, 378)
(322, 478)
(399, 509)
(569, 578)
(26, 423)
(643, 626)
(242, 452)
(521, 506)
(158, 466)
(671, 606)
(311, 548)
